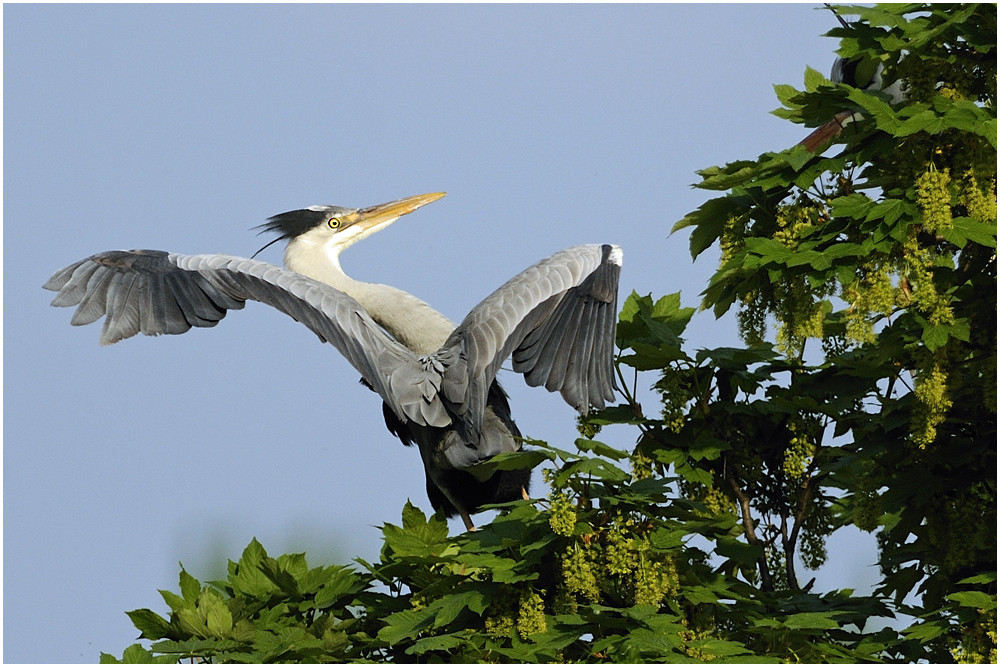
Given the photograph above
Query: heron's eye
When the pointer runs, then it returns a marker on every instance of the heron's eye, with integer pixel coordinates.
(334, 223)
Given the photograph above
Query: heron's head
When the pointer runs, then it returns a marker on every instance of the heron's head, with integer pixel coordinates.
(334, 228)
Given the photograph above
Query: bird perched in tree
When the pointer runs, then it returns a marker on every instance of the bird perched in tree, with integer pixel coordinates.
(857, 72)
(555, 320)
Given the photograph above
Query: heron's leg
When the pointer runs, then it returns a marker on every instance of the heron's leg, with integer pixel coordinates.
(467, 520)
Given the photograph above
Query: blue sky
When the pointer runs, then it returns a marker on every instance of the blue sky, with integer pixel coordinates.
(181, 127)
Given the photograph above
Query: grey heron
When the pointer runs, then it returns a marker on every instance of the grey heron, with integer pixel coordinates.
(856, 72)
(437, 380)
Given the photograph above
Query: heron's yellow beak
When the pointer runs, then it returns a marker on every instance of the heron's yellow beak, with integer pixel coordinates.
(373, 216)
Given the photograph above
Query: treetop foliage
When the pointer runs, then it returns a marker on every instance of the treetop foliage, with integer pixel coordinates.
(864, 279)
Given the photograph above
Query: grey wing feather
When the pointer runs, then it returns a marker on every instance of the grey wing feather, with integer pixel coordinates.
(556, 319)
(154, 292)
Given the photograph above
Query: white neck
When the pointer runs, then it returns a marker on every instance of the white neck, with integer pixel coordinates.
(410, 321)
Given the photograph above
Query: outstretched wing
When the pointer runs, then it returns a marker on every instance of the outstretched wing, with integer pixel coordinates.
(556, 319)
(155, 292)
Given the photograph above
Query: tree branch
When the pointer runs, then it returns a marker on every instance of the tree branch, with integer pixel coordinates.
(767, 581)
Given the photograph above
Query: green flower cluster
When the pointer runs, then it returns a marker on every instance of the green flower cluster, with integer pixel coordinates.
(655, 580)
(531, 614)
(499, 626)
(697, 652)
(718, 502)
(818, 525)
(751, 318)
(948, 526)
(618, 561)
(501, 615)
(675, 394)
(871, 293)
(979, 203)
(642, 466)
(732, 238)
(794, 222)
(979, 641)
(620, 555)
(586, 428)
(799, 453)
(920, 291)
(933, 196)
(797, 305)
(562, 514)
(711, 496)
(867, 510)
(933, 403)
(516, 610)
(578, 568)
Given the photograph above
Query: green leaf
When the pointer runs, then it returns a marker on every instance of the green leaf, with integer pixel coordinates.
(888, 210)
(658, 643)
(699, 595)
(137, 655)
(865, 71)
(247, 577)
(813, 80)
(596, 468)
(975, 599)
(936, 336)
(191, 622)
(924, 632)
(810, 620)
(816, 260)
(840, 250)
(419, 537)
(450, 606)
(885, 118)
(219, 620)
(663, 539)
(600, 449)
(797, 157)
(437, 643)
(924, 121)
(339, 582)
(524, 459)
(652, 330)
(150, 624)
(194, 646)
(719, 648)
(174, 601)
(786, 94)
(499, 568)
(190, 587)
(854, 206)
(649, 357)
(984, 578)
(768, 249)
(413, 517)
(709, 220)
(406, 624)
(746, 554)
(707, 448)
(278, 575)
(970, 229)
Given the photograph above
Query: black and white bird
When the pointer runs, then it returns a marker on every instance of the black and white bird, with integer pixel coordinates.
(856, 72)
(437, 380)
